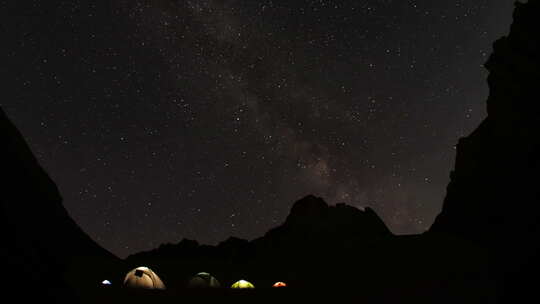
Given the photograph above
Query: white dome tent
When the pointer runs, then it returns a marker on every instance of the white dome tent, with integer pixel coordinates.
(143, 277)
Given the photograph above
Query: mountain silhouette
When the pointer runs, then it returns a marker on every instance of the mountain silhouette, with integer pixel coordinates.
(337, 252)
(42, 246)
(493, 198)
(313, 230)
(312, 214)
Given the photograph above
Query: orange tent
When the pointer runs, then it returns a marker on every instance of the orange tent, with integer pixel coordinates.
(279, 284)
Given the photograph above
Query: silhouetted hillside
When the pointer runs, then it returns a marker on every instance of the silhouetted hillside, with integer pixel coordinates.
(324, 249)
(313, 231)
(493, 198)
(41, 245)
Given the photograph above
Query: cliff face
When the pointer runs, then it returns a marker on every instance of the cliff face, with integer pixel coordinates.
(493, 198)
(42, 246)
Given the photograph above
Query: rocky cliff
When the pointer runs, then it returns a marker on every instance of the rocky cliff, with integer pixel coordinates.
(493, 198)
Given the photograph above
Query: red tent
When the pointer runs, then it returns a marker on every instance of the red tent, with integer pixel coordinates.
(279, 284)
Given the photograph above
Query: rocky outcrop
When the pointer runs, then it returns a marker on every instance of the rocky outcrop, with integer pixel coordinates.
(493, 198)
(312, 222)
(346, 219)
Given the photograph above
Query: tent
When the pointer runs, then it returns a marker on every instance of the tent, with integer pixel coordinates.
(143, 277)
(203, 280)
(279, 284)
(106, 282)
(242, 284)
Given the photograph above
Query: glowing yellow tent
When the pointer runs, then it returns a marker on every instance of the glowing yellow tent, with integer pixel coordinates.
(143, 277)
(242, 284)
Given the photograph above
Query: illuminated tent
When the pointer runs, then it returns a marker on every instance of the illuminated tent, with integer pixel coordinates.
(106, 282)
(242, 284)
(143, 277)
(279, 284)
(203, 280)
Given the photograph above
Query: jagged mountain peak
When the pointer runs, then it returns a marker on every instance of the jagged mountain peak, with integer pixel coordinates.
(314, 211)
(308, 208)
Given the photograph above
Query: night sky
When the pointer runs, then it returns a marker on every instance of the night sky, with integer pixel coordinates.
(167, 119)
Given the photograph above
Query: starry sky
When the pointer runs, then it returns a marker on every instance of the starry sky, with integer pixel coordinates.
(167, 119)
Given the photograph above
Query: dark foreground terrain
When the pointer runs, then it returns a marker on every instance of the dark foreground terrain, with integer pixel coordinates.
(357, 295)
(482, 248)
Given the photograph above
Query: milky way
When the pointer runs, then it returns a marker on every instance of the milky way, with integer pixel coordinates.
(163, 120)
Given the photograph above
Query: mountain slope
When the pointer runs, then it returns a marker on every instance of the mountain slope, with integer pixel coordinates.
(42, 245)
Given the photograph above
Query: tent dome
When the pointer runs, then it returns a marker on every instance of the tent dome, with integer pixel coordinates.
(242, 284)
(143, 277)
(204, 280)
(106, 282)
(279, 284)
